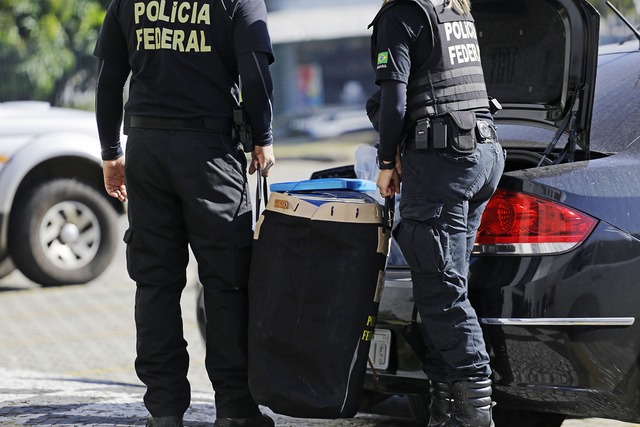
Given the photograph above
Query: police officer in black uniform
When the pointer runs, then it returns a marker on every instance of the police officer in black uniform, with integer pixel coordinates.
(186, 182)
(437, 137)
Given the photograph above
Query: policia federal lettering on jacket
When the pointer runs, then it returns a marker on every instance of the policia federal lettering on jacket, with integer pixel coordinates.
(158, 36)
(186, 181)
(437, 137)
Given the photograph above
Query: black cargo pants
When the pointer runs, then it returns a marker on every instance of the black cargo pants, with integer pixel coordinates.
(189, 188)
(444, 194)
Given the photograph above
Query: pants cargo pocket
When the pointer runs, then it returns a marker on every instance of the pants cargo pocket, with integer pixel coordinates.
(422, 237)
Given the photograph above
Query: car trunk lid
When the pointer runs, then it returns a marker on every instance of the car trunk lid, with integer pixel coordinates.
(539, 60)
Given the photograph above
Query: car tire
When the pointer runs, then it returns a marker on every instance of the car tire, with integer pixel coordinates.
(6, 266)
(369, 399)
(63, 232)
(419, 407)
(524, 418)
(201, 314)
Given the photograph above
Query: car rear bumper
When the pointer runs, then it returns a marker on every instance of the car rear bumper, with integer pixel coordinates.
(561, 330)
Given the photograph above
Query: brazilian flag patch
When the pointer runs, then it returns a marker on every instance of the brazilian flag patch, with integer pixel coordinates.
(383, 57)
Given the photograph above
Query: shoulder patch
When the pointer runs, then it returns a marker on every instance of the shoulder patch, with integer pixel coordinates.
(383, 57)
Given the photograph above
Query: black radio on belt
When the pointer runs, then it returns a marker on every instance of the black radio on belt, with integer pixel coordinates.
(439, 132)
(431, 133)
(422, 134)
(242, 132)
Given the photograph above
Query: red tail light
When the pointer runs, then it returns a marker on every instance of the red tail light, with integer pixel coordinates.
(517, 223)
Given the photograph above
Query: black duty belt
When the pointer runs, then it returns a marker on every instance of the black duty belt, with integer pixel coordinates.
(410, 143)
(216, 125)
(484, 133)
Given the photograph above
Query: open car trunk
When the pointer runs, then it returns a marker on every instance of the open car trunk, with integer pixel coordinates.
(539, 60)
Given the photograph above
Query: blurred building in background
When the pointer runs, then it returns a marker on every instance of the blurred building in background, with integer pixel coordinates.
(322, 54)
(322, 66)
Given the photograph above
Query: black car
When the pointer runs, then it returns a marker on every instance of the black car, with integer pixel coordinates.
(556, 266)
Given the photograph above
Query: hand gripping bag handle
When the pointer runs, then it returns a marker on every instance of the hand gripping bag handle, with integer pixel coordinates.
(387, 225)
(261, 192)
(388, 213)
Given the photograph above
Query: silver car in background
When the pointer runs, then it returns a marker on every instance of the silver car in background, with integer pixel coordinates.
(57, 224)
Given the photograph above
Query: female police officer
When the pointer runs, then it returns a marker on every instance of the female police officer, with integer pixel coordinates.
(186, 182)
(434, 101)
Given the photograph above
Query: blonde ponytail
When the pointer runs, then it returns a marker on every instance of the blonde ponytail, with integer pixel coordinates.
(463, 7)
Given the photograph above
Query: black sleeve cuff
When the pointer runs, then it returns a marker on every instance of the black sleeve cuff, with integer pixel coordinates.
(265, 139)
(113, 152)
(386, 157)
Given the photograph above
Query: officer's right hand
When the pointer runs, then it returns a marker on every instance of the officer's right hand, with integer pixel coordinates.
(263, 157)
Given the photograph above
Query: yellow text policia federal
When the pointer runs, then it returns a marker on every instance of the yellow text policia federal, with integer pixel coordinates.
(158, 37)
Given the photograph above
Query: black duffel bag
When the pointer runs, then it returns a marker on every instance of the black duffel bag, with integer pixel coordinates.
(316, 278)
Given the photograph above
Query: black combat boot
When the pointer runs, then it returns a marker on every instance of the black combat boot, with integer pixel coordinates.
(164, 421)
(471, 404)
(441, 406)
(258, 420)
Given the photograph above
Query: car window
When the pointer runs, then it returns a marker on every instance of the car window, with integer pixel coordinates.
(523, 50)
(616, 115)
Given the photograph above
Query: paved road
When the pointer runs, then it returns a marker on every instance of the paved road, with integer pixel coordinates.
(66, 354)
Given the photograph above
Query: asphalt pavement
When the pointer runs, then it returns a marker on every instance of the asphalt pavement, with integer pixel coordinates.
(66, 353)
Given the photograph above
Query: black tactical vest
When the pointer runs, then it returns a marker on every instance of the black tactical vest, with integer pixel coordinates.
(452, 78)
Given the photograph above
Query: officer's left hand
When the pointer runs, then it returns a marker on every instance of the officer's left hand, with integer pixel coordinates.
(113, 171)
(263, 157)
(388, 182)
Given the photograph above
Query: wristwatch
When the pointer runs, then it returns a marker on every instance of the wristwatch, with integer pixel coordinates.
(385, 166)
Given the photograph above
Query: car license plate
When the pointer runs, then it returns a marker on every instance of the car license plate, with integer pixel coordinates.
(380, 349)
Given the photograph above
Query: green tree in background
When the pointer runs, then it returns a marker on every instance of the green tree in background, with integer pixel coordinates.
(46, 47)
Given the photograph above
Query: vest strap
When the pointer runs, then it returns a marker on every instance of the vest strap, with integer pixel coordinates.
(446, 75)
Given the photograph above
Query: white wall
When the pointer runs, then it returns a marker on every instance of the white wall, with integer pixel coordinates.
(302, 4)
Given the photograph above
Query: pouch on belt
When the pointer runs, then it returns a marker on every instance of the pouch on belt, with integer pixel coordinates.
(462, 135)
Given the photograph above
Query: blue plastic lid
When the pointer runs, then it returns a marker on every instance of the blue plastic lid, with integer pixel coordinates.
(324, 184)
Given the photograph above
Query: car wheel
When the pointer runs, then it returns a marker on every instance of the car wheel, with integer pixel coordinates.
(63, 232)
(523, 418)
(6, 266)
(369, 399)
(419, 407)
(201, 315)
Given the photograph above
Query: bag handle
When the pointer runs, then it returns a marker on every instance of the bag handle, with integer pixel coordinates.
(388, 213)
(261, 191)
